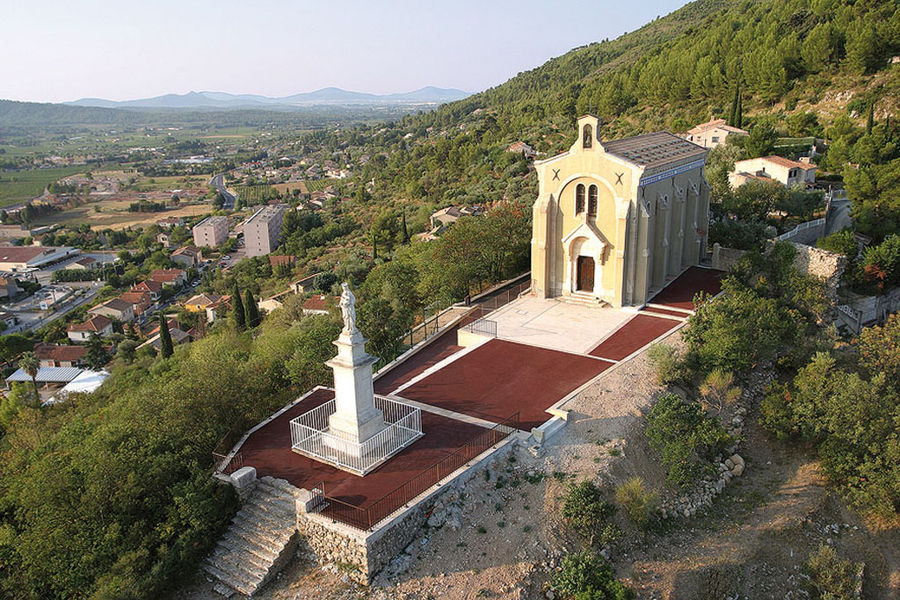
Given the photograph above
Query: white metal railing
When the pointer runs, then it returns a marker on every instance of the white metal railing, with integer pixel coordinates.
(311, 435)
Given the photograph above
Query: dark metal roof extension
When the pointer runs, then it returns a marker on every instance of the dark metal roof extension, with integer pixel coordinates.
(654, 149)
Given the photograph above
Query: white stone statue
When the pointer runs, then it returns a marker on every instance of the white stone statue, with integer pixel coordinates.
(348, 308)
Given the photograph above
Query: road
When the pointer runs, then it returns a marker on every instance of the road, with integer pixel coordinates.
(218, 182)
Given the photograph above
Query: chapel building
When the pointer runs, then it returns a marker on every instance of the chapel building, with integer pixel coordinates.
(614, 221)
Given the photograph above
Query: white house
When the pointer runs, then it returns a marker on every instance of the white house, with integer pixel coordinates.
(772, 168)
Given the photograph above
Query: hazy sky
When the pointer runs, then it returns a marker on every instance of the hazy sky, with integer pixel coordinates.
(57, 50)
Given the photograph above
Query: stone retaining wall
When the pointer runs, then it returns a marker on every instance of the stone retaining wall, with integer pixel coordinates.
(362, 554)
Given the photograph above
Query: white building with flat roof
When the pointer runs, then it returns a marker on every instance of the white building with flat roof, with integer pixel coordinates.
(262, 230)
(211, 232)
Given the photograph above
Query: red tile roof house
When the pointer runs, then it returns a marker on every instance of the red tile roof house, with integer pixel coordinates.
(140, 301)
(318, 304)
(154, 288)
(81, 332)
(52, 355)
(173, 277)
(187, 256)
(114, 308)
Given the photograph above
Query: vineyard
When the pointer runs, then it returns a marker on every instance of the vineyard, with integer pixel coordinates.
(251, 195)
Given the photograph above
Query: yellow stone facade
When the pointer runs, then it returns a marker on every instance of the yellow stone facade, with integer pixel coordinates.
(614, 221)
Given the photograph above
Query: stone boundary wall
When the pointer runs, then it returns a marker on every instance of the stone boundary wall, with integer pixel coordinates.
(724, 258)
(825, 265)
(364, 553)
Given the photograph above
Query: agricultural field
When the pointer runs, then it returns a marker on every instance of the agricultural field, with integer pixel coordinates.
(114, 214)
(320, 184)
(284, 188)
(19, 186)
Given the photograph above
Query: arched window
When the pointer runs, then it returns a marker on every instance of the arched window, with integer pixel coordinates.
(579, 199)
(587, 138)
(592, 200)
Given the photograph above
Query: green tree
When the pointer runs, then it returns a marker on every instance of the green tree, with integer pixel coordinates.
(761, 140)
(251, 309)
(126, 350)
(166, 348)
(587, 576)
(96, 356)
(238, 314)
(13, 403)
(31, 365)
(403, 229)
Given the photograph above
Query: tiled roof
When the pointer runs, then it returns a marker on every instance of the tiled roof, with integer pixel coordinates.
(149, 285)
(95, 323)
(59, 353)
(115, 304)
(318, 302)
(204, 299)
(786, 162)
(654, 149)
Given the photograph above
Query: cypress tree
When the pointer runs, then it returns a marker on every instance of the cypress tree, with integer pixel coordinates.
(374, 247)
(251, 309)
(870, 122)
(739, 115)
(403, 226)
(237, 309)
(732, 115)
(165, 338)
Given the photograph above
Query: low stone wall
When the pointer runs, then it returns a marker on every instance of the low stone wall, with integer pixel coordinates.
(825, 265)
(725, 258)
(362, 554)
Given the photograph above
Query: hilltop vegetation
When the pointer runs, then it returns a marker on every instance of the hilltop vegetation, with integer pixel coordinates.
(109, 495)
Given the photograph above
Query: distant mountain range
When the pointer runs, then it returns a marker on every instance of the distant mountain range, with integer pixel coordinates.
(326, 96)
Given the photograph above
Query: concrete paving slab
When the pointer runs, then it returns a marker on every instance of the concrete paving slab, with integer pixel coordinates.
(557, 325)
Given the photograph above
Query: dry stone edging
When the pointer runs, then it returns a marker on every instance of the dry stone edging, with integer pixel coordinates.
(728, 465)
(259, 541)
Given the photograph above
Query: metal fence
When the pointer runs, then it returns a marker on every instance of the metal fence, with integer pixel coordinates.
(366, 518)
(221, 462)
(482, 326)
(311, 435)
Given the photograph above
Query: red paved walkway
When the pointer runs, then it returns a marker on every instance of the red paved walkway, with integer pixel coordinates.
(501, 377)
(635, 334)
(680, 293)
(439, 349)
(268, 450)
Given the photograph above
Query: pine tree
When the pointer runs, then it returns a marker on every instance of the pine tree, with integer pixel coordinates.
(165, 338)
(403, 227)
(237, 309)
(739, 115)
(870, 122)
(251, 310)
(374, 247)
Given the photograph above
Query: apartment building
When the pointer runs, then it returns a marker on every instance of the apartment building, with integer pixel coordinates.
(261, 231)
(211, 232)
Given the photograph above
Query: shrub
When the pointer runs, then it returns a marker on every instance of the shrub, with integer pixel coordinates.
(667, 362)
(685, 437)
(852, 421)
(639, 504)
(831, 577)
(586, 511)
(586, 576)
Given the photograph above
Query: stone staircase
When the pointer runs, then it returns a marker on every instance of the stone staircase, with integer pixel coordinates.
(582, 299)
(260, 540)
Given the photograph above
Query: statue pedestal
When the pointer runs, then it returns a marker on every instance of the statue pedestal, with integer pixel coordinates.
(355, 418)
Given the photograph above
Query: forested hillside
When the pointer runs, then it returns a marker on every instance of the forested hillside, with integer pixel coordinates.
(801, 67)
